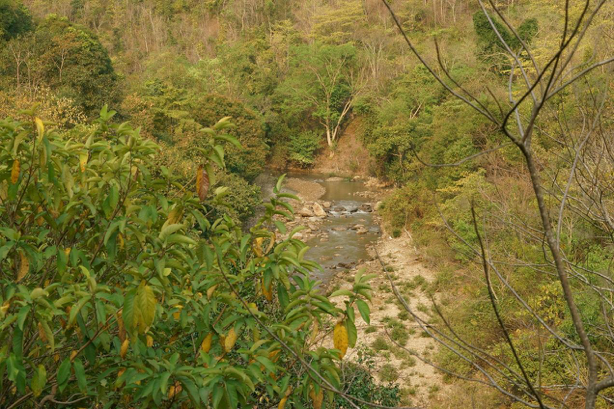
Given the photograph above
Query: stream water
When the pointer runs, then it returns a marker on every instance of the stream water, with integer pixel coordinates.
(341, 239)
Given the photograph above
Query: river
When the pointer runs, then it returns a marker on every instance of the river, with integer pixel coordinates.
(340, 240)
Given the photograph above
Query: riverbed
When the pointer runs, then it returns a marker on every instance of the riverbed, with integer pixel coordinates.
(339, 240)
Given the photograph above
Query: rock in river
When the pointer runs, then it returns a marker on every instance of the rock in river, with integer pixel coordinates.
(305, 212)
(318, 210)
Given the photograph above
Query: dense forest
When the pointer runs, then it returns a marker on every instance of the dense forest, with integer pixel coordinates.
(141, 264)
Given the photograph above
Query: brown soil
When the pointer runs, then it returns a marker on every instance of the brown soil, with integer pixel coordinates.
(350, 158)
(420, 382)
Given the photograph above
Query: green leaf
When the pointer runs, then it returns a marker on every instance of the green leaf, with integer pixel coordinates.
(352, 333)
(130, 314)
(341, 292)
(80, 375)
(146, 305)
(77, 308)
(39, 380)
(63, 372)
(279, 183)
(22, 315)
(230, 139)
(4, 250)
(48, 334)
(180, 239)
(364, 310)
(168, 230)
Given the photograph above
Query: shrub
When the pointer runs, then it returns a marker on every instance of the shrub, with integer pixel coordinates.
(399, 335)
(388, 373)
(249, 160)
(380, 344)
(303, 147)
(359, 382)
(117, 290)
(240, 200)
(87, 76)
(15, 19)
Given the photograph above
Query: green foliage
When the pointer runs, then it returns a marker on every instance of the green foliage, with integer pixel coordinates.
(66, 58)
(320, 87)
(15, 19)
(492, 48)
(240, 201)
(359, 382)
(380, 344)
(388, 373)
(76, 64)
(303, 147)
(118, 288)
(249, 160)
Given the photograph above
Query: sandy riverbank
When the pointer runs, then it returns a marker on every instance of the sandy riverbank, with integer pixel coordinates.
(395, 349)
(392, 335)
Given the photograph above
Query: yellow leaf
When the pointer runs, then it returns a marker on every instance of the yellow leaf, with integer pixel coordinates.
(314, 331)
(177, 314)
(41, 333)
(230, 340)
(175, 215)
(274, 355)
(119, 374)
(15, 171)
(73, 354)
(40, 220)
(120, 239)
(210, 291)
(206, 344)
(202, 183)
(5, 307)
(268, 294)
(124, 348)
(147, 306)
(171, 391)
(316, 398)
(121, 333)
(258, 246)
(150, 341)
(67, 251)
(83, 156)
(282, 403)
(39, 127)
(24, 266)
(340, 338)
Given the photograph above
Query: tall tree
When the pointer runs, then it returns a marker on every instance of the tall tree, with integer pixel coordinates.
(15, 19)
(324, 82)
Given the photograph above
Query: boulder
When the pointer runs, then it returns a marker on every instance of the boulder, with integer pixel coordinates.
(339, 209)
(305, 212)
(318, 210)
(362, 230)
(326, 205)
(366, 207)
